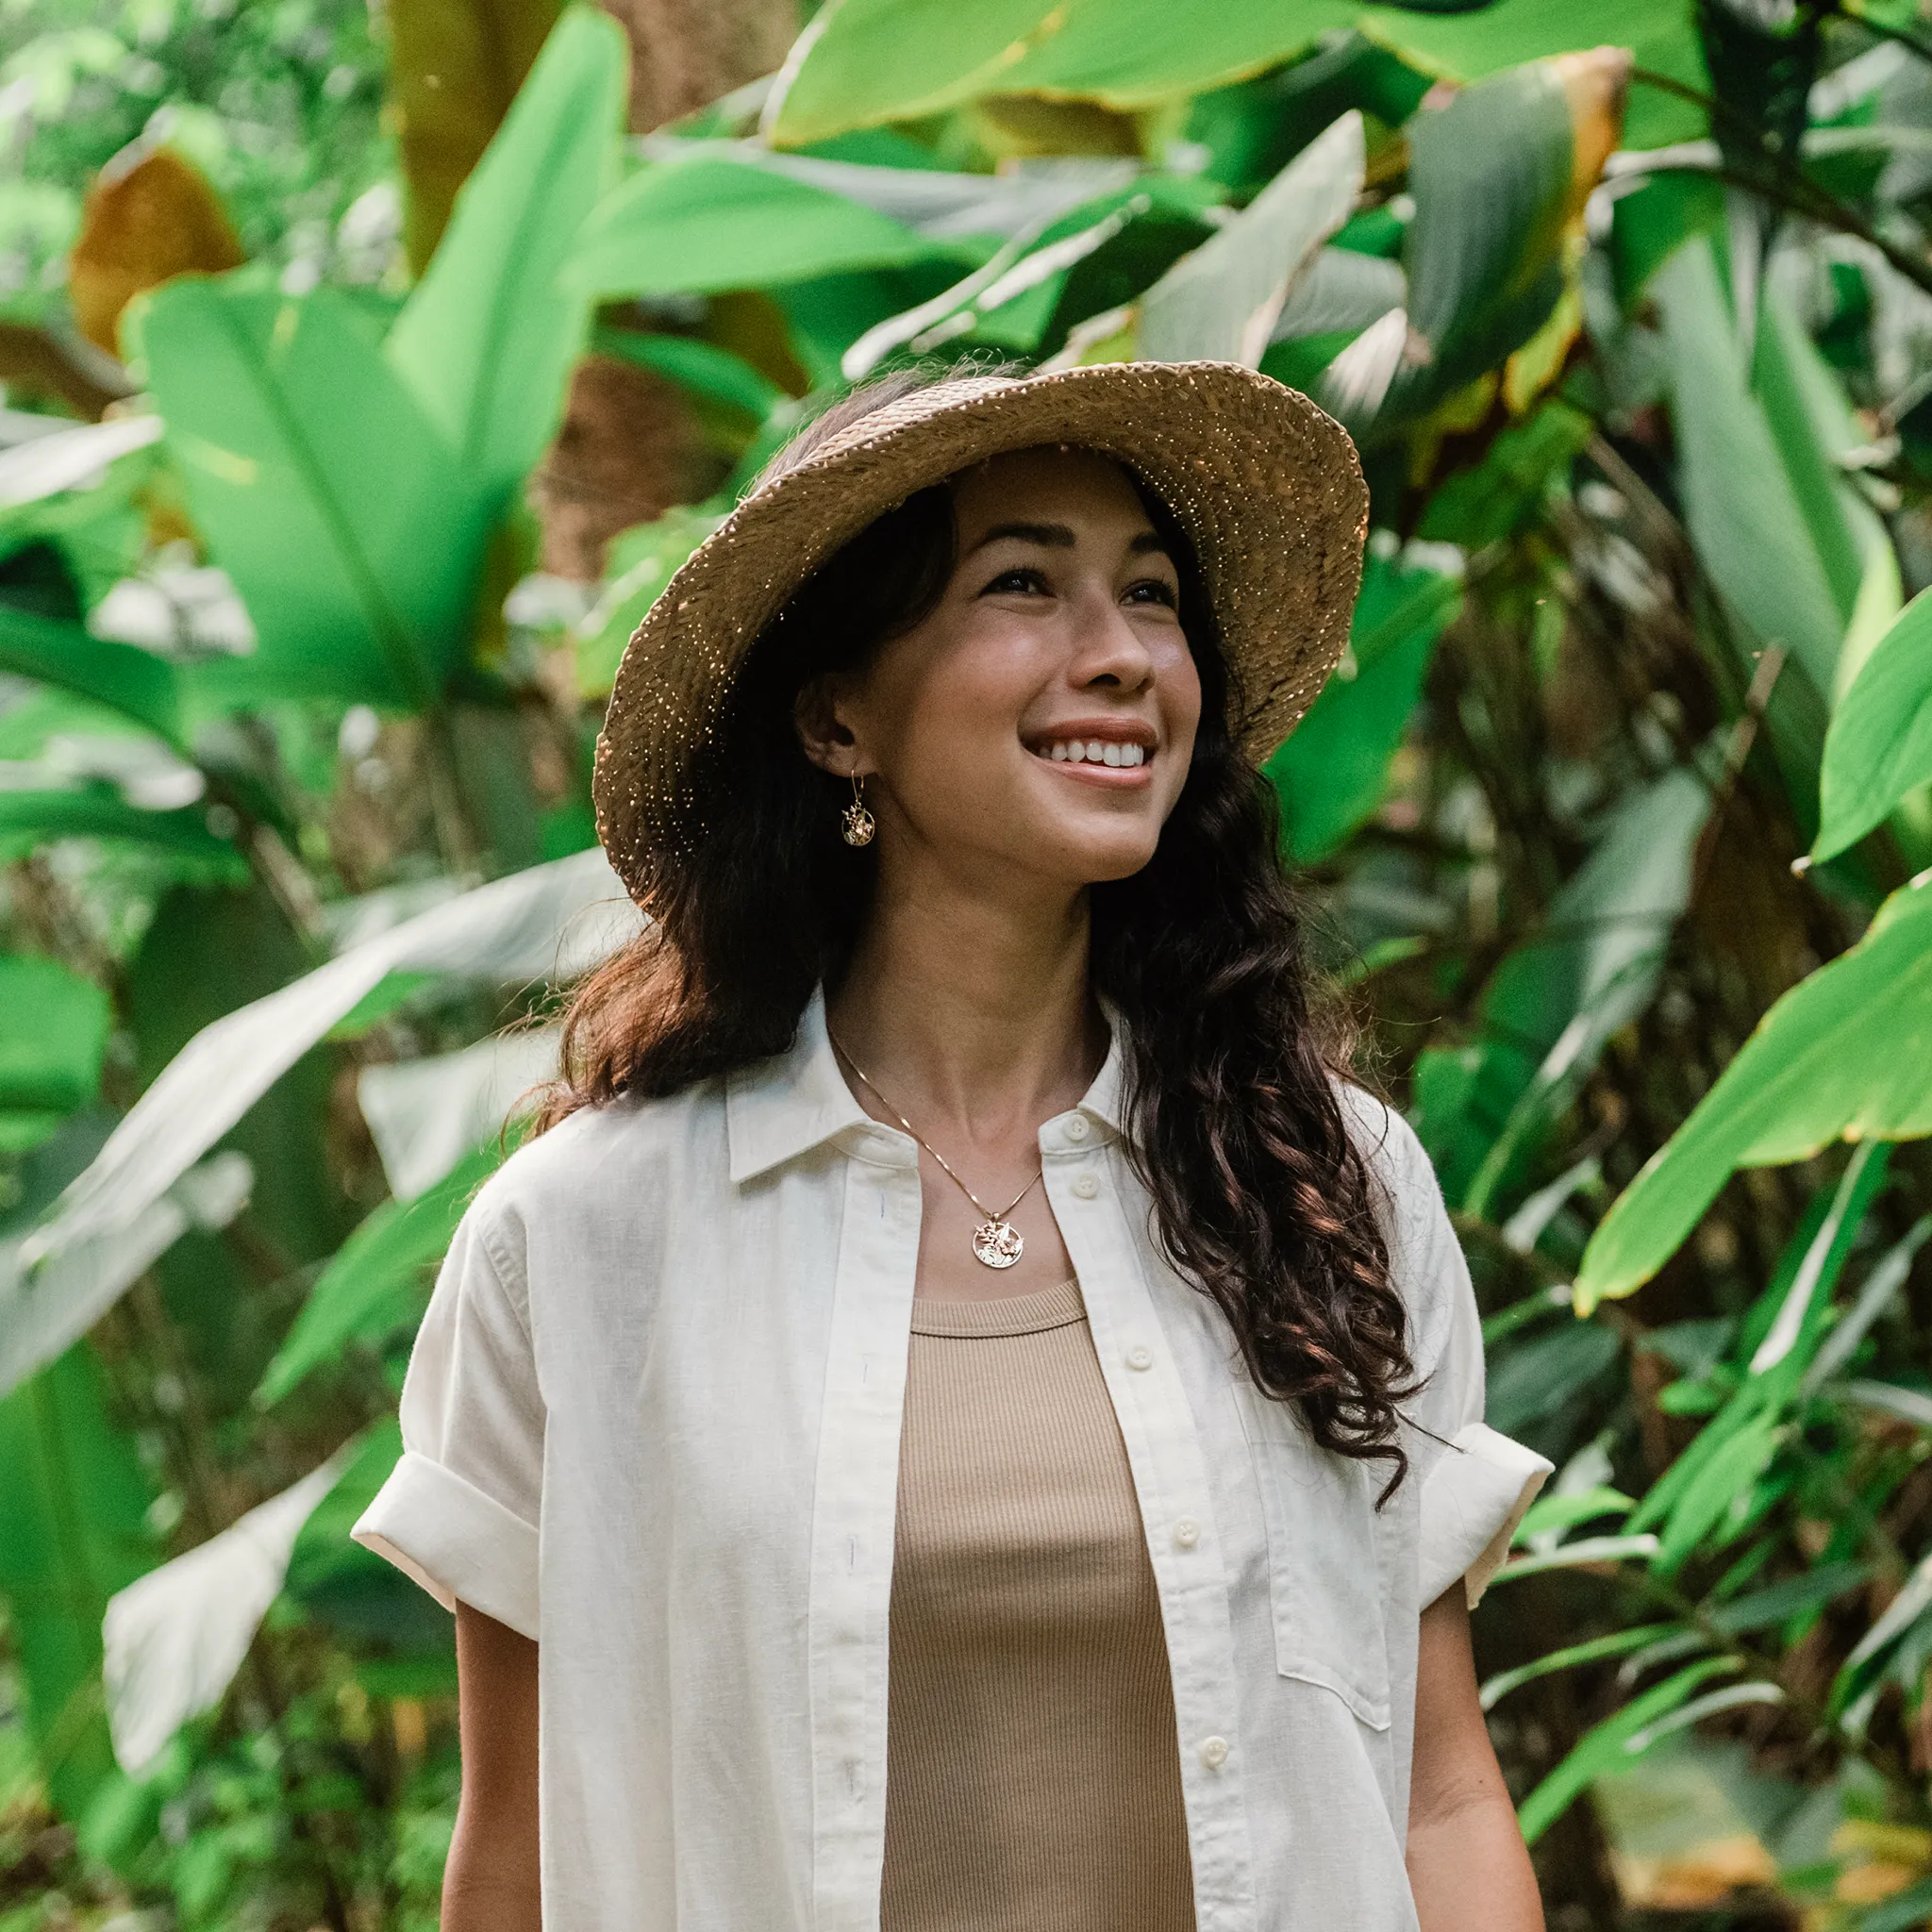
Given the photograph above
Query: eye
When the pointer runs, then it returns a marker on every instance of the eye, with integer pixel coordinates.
(1022, 581)
(1152, 591)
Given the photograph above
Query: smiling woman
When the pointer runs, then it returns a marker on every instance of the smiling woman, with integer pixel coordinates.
(970, 1415)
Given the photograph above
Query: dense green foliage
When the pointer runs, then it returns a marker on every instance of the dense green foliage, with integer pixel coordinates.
(1612, 819)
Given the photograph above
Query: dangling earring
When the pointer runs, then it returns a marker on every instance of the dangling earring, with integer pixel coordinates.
(857, 822)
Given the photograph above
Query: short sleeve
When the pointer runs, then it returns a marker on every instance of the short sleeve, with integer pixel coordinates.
(1476, 1483)
(459, 1513)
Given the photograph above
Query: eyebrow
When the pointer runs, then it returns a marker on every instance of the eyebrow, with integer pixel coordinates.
(1059, 537)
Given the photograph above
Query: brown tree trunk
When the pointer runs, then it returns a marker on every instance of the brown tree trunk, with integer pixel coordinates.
(684, 53)
(629, 446)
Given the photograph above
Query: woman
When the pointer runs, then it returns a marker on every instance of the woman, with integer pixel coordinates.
(953, 1247)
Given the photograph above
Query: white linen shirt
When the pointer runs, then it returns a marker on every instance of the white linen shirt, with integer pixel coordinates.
(652, 1420)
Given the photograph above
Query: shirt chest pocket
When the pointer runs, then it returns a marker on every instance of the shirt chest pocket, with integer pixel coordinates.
(1324, 1558)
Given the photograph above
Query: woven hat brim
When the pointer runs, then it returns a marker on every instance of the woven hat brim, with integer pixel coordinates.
(1265, 484)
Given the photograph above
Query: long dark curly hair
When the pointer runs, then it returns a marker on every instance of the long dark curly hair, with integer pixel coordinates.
(1261, 1198)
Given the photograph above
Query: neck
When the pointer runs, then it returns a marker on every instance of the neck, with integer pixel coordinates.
(969, 1005)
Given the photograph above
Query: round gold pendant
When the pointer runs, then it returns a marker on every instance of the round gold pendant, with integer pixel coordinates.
(858, 826)
(997, 1243)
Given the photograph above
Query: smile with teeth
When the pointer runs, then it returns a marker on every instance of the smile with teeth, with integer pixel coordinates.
(1093, 751)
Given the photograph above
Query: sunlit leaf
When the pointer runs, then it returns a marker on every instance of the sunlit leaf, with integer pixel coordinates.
(1844, 1053)
(426, 1114)
(1617, 1643)
(1744, 514)
(487, 338)
(707, 223)
(374, 1285)
(1601, 1749)
(175, 1638)
(1219, 303)
(1879, 746)
(73, 1511)
(351, 532)
(556, 920)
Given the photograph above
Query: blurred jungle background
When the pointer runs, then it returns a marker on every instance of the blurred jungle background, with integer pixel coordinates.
(368, 369)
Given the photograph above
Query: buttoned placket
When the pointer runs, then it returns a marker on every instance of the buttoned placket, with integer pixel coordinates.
(1086, 1176)
(854, 1501)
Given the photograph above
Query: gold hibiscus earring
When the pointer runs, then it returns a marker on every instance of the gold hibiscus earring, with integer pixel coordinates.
(857, 822)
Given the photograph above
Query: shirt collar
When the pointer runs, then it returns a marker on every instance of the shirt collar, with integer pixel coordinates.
(782, 1108)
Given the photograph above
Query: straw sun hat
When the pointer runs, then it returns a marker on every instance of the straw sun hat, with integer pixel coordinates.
(1266, 486)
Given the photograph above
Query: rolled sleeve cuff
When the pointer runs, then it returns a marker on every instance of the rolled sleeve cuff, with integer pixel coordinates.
(1472, 1500)
(459, 1544)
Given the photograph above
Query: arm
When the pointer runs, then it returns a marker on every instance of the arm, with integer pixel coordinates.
(1466, 1865)
(490, 1883)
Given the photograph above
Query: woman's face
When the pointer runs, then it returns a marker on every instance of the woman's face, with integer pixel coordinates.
(1040, 720)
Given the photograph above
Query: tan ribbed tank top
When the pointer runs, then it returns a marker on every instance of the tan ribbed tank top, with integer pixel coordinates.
(1032, 1771)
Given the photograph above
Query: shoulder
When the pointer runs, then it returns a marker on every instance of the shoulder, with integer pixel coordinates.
(597, 1173)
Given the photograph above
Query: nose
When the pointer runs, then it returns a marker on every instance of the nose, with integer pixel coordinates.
(1110, 653)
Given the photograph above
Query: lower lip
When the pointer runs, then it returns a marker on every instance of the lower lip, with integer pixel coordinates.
(1110, 777)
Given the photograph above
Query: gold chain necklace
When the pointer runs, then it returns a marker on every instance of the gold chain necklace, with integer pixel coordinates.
(996, 1242)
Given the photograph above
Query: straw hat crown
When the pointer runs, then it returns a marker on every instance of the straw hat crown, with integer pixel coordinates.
(1267, 487)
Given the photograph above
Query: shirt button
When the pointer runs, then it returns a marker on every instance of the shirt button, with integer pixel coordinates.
(1077, 1128)
(1186, 1532)
(1140, 1357)
(1214, 1753)
(1085, 1187)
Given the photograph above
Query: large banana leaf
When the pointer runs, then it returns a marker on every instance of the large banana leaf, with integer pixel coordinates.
(376, 1285)
(42, 1314)
(487, 340)
(869, 61)
(337, 506)
(1220, 302)
(73, 1511)
(556, 919)
(705, 223)
(1745, 520)
(1879, 746)
(1847, 1053)
(56, 651)
(174, 1638)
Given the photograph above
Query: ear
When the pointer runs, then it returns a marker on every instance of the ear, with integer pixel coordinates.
(818, 716)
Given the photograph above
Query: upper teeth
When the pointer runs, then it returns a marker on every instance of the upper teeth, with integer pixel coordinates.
(1095, 750)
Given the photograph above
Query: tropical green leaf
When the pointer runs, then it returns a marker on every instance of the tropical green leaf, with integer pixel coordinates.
(351, 532)
(73, 1511)
(712, 373)
(1617, 1643)
(52, 1032)
(1507, 489)
(1602, 1748)
(1843, 1054)
(1742, 511)
(373, 1285)
(487, 340)
(554, 920)
(122, 676)
(1550, 1515)
(705, 223)
(639, 563)
(1558, 997)
(29, 818)
(1538, 1377)
(1778, 1603)
(1219, 303)
(1330, 775)
(1572, 1556)
(1879, 744)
